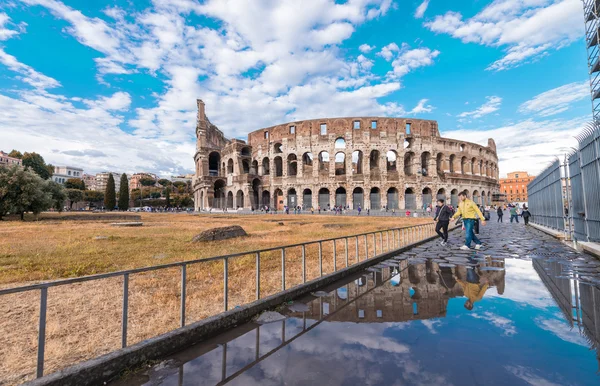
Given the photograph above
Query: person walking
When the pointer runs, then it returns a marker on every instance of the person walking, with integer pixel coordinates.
(359, 209)
(442, 217)
(500, 213)
(469, 212)
(514, 214)
(526, 214)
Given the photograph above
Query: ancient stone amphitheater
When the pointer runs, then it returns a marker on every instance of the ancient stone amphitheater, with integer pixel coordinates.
(374, 162)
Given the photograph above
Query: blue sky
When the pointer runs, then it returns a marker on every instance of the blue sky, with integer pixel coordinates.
(112, 85)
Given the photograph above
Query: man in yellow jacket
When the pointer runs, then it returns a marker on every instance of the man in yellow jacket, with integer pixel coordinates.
(469, 212)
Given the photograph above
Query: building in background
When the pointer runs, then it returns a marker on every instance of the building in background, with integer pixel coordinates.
(102, 180)
(90, 181)
(185, 178)
(134, 182)
(514, 186)
(63, 173)
(9, 161)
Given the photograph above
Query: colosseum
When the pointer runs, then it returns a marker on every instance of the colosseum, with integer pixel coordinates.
(371, 162)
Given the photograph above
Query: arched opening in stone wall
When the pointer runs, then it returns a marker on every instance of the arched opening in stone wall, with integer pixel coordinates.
(266, 167)
(266, 198)
(324, 198)
(278, 199)
(476, 197)
(230, 166)
(489, 198)
(340, 197)
(219, 194)
(201, 203)
(410, 199)
(245, 166)
(292, 164)
(441, 194)
(461, 147)
(214, 159)
(254, 167)
(392, 160)
(307, 164)
(427, 198)
(358, 198)
(408, 143)
(483, 198)
(357, 162)
(425, 157)
(439, 163)
(340, 143)
(463, 165)
(452, 162)
(230, 200)
(392, 198)
(409, 159)
(340, 164)
(223, 170)
(292, 198)
(375, 198)
(374, 159)
(307, 199)
(454, 198)
(277, 148)
(245, 152)
(324, 162)
(239, 199)
(254, 203)
(278, 166)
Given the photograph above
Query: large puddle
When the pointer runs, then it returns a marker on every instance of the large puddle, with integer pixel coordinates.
(534, 321)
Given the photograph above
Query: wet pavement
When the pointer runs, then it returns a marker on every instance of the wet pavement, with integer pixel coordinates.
(524, 310)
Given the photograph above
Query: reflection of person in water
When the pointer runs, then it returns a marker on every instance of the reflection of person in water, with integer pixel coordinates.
(474, 288)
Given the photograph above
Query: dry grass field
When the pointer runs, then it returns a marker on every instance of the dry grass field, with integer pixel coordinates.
(84, 319)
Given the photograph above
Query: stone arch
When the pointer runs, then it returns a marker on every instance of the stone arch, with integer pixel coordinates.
(245, 151)
(476, 197)
(278, 166)
(266, 198)
(230, 200)
(340, 163)
(219, 194)
(278, 199)
(254, 197)
(307, 199)
(410, 199)
(392, 161)
(392, 198)
(201, 203)
(324, 161)
(292, 165)
(441, 194)
(408, 163)
(277, 148)
(358, 198)
(454, 198)
(425, 157)
(357, 162)
(375, 198)
(427, 197)
(340, 196)
(452, 163)
(214, 159)
(324, 198)
(245, 166)
(374, 159)
(340, 143)
(483, 198)
(254, 167)
(307, 163)
(292, 198)
(229, 166)
(266, 166)
(439, 163)
(463, 165)
(239, 199)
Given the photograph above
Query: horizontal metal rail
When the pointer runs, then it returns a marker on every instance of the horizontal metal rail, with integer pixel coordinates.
(405, 236)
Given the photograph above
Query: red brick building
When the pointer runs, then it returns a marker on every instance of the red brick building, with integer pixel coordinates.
(514, 186)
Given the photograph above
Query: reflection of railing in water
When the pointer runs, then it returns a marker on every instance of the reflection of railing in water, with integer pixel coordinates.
(560, 288)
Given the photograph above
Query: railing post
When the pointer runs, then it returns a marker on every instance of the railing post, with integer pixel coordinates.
(183, 292)
(381, 241)
(320, 259)
(334, 257)
(42, 332)
(357, 256)
(346, 252)
(374, 245)
(366, 248)
(283, 269)
(225, 283)
(387, 240)
(303, 263)
(257, 275)
(125, 310)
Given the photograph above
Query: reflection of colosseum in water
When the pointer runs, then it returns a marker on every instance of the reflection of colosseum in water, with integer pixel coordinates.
(374, 162)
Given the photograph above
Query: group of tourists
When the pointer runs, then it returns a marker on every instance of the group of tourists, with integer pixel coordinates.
(515, 212)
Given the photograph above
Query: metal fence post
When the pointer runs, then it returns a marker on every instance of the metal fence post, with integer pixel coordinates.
(303, 263)
(346, 244)
(225, 283)
(125, 310)
(381, 242)
(42, 332)
(183, 293)
(320, 259)
(283, 269)
(257, 275)
(374, 245)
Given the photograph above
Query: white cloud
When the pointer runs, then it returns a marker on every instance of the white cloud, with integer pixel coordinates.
(529, 376)
(411, 59)
(365, 48)
(422, 107)
(387, 52)
(501, 322)
(492, 104)
(420, 12)
(27, 73)
(561, 329)
(556, 100)
(5, 33)
(527, 29)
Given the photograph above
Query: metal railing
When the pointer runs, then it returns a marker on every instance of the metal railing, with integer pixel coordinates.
(545, 198)
(395, 238)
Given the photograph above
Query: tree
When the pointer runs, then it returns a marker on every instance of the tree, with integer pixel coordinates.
(58, 194)
(15, 154)
(75, 183)
(181, 187)
(36, 162)
(110, 199)
(22, 190)
(92, 196)
(124, 193)
(155, 194)
(168, 197)
(75, 196)
(164, 182)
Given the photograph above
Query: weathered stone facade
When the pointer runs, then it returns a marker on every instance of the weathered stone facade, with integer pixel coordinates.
(373, 162)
